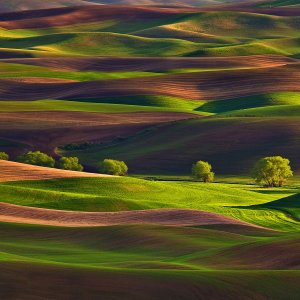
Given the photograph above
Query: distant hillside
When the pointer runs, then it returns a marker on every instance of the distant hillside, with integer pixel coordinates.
(279, 3)
(18, 5)
(168, 2)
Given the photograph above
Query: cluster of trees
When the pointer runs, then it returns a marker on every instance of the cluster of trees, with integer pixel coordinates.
(113, 167)
(4, 156)
(270, 171)
(202, 170)
(38, 158)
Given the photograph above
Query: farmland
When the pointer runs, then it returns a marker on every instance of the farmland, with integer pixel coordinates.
(158, 85)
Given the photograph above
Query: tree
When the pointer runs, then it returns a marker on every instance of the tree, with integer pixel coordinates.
(4, 156)
(37, 158)
(203, 170)
(272, 171)
(70, 163)
(113, 167)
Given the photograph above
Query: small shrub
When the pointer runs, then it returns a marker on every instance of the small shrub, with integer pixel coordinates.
(113, 167)
(37, 158)
(272, 171)
(70, 163)
(202, 170)
(4, 156)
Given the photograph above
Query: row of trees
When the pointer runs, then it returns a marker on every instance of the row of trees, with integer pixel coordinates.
(270, 171)
(42, 159)
(107, 166)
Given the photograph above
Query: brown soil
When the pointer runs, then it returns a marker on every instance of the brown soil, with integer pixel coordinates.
(27, 281)
(46, 130)
(40, 80)
(275, 255)
(12, 171)
(154, 64)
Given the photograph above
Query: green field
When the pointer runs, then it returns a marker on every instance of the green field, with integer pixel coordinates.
(185, 34)
(204, 257)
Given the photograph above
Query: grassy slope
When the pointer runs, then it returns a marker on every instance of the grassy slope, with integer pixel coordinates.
(279, 3)
(221, 34)
(60, 105)
(115, 194)
(17, 5)
(273, 111)
(107, 44)
(151, 262)
(265, 105)
(256, 101)
(11, 70)
(241, 140)
(150, 101)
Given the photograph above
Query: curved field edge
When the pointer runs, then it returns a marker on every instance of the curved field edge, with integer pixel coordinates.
(124, 194)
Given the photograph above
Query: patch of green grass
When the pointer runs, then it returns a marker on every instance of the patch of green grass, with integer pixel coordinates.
(273, 111)
(9, 70)
(238, 24)
(216, 33)
(255, 101)
(149, 100)
(64, 105)
(289, 205)
(151, 246)
(108, 44)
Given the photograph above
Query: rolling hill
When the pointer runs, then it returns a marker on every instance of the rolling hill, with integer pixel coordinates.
(160, 85)
(21, 5)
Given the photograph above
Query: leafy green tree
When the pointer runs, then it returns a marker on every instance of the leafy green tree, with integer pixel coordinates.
(4, 156)
(113, 167)
(37, 158)
(272, 171)
(202, 170)
(70, 163)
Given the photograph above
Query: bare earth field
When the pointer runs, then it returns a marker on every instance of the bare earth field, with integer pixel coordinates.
(47, 130)
(12, 171)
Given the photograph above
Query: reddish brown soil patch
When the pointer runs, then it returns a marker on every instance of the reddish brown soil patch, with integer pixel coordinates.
(12, 171)
(40, 80)
(272, 255)
(169, 217)
(47, 130)
(63, 282)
